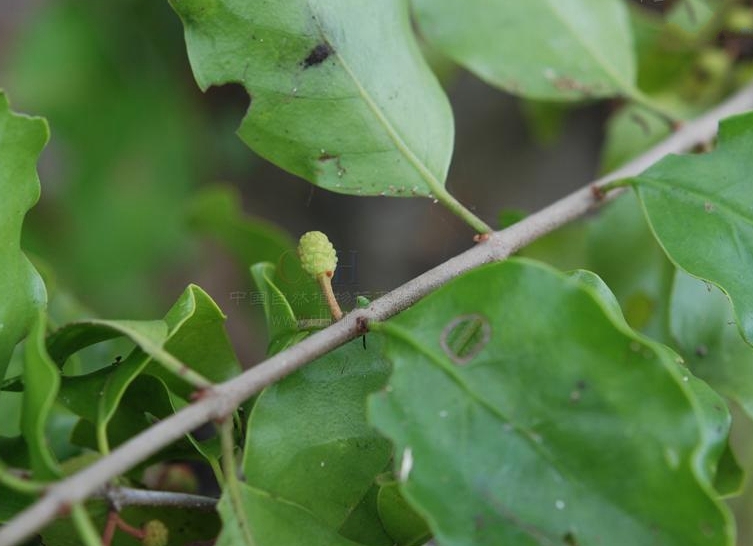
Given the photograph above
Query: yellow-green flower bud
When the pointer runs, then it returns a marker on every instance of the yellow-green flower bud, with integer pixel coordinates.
(155, 533)
(317, 254)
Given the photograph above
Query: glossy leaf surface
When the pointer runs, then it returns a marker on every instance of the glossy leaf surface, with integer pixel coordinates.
(340, 94)
(542, 49)
(700, 208)
(551, 419)
(328, 461)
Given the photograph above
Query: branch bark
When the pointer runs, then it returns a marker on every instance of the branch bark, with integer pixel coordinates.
(221, 400)
(120, 497)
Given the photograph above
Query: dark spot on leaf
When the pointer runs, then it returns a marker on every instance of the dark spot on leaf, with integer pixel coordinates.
(570, 539)
(478, 522)
(327, 157)
(577, 393)
(701, 351)
(708, 207)
(318, 55)
(464, 337)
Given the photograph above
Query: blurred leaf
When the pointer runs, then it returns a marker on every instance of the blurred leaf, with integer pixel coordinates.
(545, 119)
(341, 94)
(41, 384)
(217, 212)
(327, 462)
(693, 16)
(22, 292)
(13, 503)
(700, 208)
(399, 519)
(554, 426)
(630, 131)
(664, 59)
(703, 325)
(564, 50)
(274, 522)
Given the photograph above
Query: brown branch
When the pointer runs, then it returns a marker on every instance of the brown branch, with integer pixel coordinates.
(220, 400)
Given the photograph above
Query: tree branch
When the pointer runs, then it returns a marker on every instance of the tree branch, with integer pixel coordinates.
(120, 497)
(219, 401)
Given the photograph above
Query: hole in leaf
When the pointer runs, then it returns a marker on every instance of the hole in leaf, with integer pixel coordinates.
(464, 337)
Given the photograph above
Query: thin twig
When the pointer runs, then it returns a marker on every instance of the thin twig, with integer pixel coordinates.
(120, 497)
(219, 401)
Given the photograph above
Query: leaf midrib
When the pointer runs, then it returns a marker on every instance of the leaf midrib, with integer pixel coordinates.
(715, 200)
(628, 87)
(400, 333)
(431, 181)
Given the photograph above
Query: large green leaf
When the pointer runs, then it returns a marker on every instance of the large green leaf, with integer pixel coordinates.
(340, 94)
(552, 420)
(702, 323)
(22, 291)
(700, 208)
(543, 49)
(327, 461)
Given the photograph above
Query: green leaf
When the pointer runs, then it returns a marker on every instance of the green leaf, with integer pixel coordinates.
(702, 324)
(541, 49)
(282, 325)
(197, 337)
(554, 423)
(636, 269)
(144, 402)
(273, 522)
(327, 461)
(23, 293)
(402, 523)
(693, 16)
(341, 95)
(630, 131)
(700, 208)
(42, 381)
(216, 211)
(13, 503)
(193, 330)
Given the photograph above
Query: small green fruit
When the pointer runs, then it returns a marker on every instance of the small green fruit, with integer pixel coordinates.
(155, 533)
(317, 254)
